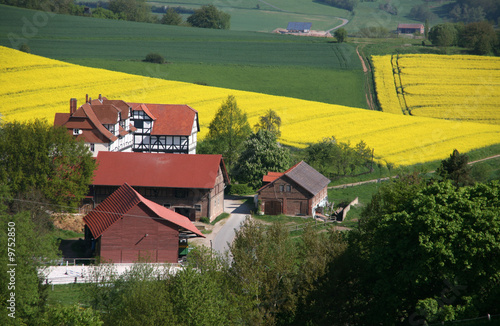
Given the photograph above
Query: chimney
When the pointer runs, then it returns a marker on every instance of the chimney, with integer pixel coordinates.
(100, 98)
(86, 98)
(72, 105)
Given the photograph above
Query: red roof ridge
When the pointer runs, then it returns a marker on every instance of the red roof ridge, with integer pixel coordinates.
(120, 202)
(91, 115)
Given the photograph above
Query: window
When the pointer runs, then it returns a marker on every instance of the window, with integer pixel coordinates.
(92, 147)
(197, 208)
(76, 132)
(282, 188)
(288, 188)
(138, 124)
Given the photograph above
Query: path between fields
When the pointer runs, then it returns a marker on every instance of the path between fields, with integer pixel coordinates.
(387, 178)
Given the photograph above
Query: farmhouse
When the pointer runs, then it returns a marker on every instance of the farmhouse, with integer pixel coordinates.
(118, 126)
(296, 27)
(410, 28)
(127, 227)
(191, 185)
(299, 191)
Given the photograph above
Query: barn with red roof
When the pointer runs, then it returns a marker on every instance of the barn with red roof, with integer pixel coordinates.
(301, 190)
(191, 185)
(115, 125)
(126, 227)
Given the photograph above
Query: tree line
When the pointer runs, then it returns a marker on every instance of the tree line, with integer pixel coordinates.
(132, 10)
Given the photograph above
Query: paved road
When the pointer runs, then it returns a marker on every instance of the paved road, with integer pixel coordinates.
(238, 212)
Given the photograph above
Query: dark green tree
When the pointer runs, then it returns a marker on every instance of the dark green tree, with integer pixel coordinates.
(444, 34)
(264, 269)
(456, 168)
(23, 249)
(261, 154)
(341, 35)
(132, 10)
(171, 17)
(210, 17)
(36, 156)
(479, 37)
(440, 247)
(227, 131)
(270, 121)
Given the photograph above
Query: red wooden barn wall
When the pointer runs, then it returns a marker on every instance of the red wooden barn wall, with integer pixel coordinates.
(125, 240)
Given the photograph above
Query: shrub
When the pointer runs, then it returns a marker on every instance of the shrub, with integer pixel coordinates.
(205, 220)
(24, 48)
(239, 189)
(154, 58)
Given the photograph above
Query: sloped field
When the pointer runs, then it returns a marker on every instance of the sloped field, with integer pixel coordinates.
(36, 87)
(458, 87)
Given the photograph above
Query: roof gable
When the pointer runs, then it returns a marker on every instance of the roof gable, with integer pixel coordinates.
(170, 119)
(197, 171)
(305, 176)
(120, 202)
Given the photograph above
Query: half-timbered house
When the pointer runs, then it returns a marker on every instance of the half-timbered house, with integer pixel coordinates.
(115, 125)
(126, 227)
(300, 190)
(191, 185)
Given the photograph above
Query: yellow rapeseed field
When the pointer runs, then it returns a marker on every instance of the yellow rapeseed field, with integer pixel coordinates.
(35, 87)
(457, 87)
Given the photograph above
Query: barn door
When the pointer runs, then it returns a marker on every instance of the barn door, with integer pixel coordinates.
(272, 207)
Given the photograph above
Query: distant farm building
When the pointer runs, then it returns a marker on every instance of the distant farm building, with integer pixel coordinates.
(410, 28)
(301, 190)
(295, 27)
(127, 227)
(191, 185)
(115, 125)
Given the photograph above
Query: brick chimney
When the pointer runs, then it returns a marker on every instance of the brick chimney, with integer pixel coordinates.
(86, 98)
(72, 105)
(100, 98)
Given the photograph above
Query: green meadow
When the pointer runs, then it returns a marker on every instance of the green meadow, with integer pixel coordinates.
(301, 67)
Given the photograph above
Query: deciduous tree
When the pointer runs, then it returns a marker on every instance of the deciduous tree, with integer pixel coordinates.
(171, 17)
(341, 35)
(227, 131)
(261, 154)
(38, 156)
(210, 17)
(456, 168)
(270, 121)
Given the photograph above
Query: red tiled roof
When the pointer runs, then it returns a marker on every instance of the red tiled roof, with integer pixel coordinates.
(271, 176)
(61, 118)
(410, 26)
(107, 114)
(158, 170)
(95, 121)
(183, 115)
(119, 204)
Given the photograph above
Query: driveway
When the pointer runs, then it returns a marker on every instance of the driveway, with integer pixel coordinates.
(239, 211)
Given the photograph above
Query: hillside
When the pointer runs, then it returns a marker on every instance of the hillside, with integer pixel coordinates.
(38, 87)
(306, 68)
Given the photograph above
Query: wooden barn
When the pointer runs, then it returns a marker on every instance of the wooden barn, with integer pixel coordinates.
(126, 227)
(191, 185)
(299, 191)
(410, 28)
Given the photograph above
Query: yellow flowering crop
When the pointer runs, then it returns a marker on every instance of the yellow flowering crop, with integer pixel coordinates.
(458, 87)
(35, 87)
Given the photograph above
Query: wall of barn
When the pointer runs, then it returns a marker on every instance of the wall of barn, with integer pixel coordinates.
(293, 198)
(138, 236)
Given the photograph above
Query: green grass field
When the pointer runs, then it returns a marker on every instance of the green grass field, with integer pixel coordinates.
(301, 67)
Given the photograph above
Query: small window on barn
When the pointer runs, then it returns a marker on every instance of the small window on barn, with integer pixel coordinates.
(282, 188)
(197, 208)
(288, 188)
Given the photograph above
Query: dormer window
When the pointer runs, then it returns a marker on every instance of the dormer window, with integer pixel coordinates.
(76, 132)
